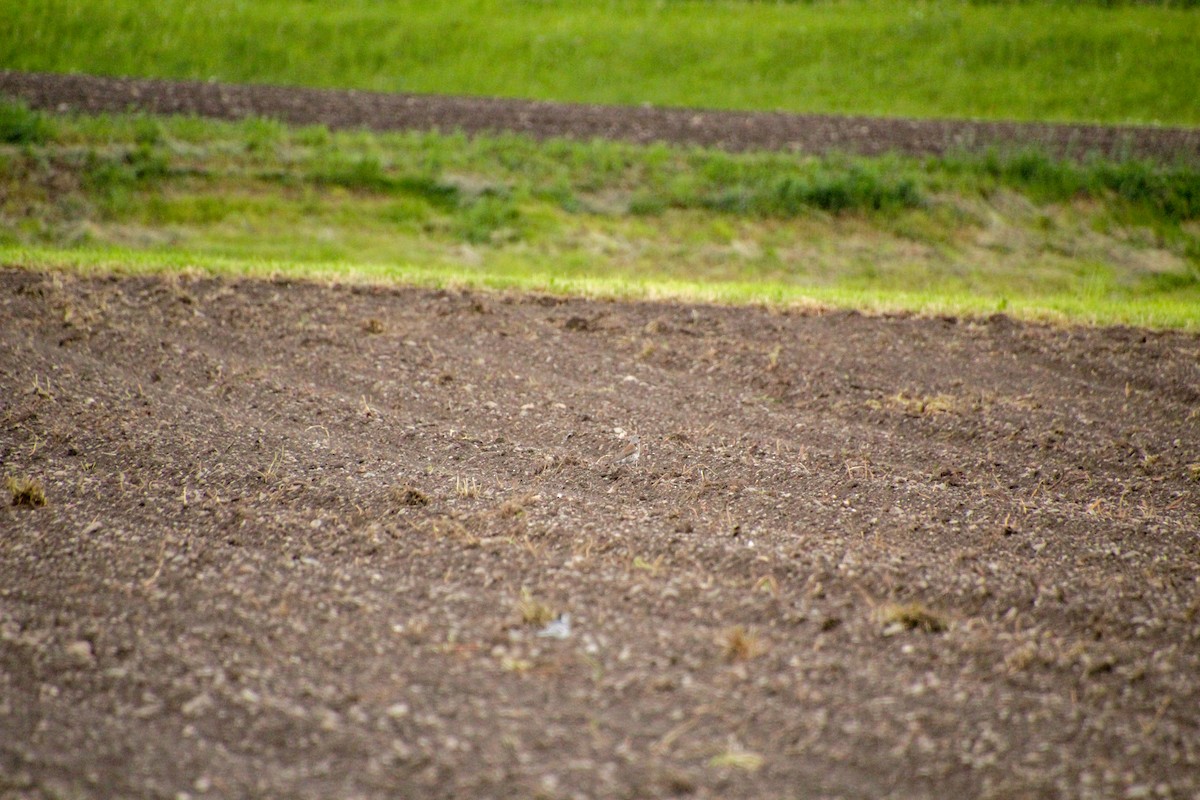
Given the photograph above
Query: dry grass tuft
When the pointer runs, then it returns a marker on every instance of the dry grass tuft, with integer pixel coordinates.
(466, 488)
(1022, 658)
(516, 507)
(740, 644)
(26, 491)
(532, 610)
(767, 584)
(511, 509)
(518, 665)
(272, 471)
(737, 759)
(773, 358)
(911, 616)
(447, 527)
(409, 496)
(654, 326)
(919, 405)
(642, 565)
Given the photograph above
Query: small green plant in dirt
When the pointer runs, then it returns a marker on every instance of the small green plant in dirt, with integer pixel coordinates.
(896, 617)
(26, 491)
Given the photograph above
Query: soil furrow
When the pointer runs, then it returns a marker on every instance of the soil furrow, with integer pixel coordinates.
(731, 130)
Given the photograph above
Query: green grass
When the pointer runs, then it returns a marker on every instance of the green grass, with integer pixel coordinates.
(1097, 61)
(1093, 242)
(1164, 311)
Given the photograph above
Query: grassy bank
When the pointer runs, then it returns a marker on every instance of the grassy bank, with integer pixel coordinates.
(1109, 62)
(1099, 242)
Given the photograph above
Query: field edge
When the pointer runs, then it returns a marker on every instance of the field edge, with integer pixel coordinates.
(1064, 310)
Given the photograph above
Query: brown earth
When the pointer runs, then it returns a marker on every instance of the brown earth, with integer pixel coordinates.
(296, 537)
(733, 130)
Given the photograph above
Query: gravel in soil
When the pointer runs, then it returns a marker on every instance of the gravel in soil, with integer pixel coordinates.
(315, 541)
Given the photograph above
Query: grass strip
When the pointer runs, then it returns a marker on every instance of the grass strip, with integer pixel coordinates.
(1095, 242)
(1067, 309)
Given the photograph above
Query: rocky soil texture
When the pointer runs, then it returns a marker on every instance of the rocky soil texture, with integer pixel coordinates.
(315, 541)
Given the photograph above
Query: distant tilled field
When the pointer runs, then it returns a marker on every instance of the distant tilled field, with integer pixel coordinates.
(306, 541)
(727, 129)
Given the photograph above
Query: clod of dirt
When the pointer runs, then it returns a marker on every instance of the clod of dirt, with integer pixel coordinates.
(579, 324)
(80, 653)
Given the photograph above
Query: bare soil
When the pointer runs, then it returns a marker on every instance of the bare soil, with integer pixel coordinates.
(300, 541)
(732, 130)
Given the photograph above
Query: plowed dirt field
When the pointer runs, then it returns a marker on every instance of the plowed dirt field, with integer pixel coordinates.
(305, 541)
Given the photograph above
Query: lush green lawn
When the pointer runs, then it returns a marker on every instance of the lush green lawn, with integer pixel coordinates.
(1098, 242)
(1108, 62)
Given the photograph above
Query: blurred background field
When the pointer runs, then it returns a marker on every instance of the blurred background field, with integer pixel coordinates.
(1081, 61)
(1100, 241)
(1097, 241)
